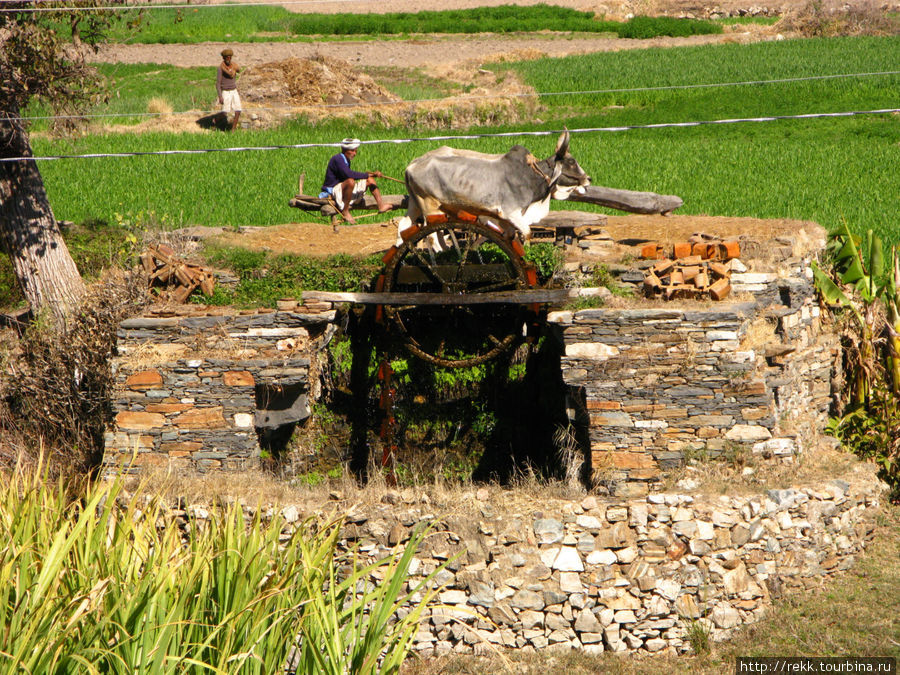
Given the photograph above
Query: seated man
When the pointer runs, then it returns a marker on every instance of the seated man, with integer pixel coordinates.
(346, 186)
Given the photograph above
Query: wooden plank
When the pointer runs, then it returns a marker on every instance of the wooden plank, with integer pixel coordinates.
(524, 297)
(567, 219)
(311, 203)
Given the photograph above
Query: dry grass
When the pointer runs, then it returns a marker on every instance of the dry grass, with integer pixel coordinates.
(739, 472)
(525, 495)
(159, 106)
(310, 82)
(760, 333)
(206, 346)
(58, 381)
(830, 18)
(257, 487)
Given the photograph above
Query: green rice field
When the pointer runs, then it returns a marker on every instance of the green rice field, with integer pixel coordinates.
(254, 24)
(828, 170)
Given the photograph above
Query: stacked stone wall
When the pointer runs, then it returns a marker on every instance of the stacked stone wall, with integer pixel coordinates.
(599, 575)
(193, 387)
(656, 386)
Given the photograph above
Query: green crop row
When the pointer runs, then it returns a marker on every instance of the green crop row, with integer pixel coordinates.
(826, 170)
(104, 582)
(254, 24)
(660, 85)
(822, 169)
(682, 82)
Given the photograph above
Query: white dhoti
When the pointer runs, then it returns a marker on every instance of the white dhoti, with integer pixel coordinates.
(231, 102)
(359, 194)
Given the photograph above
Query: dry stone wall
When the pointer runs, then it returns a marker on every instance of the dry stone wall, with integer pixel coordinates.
(194, 385)
(635, 575)
(600, 575)
(658, 385)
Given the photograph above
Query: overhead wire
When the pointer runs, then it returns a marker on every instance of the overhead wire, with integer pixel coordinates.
(462, 99)
(456, 137)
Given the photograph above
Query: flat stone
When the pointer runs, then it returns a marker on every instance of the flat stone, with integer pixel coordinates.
(624, 616)
(139, 421)
(748, 433)
(548, 530)
(145, 379)
(238, 378)
(531, 619)
(668, 588)
(736, 581)
(524, 599)
(589, 522)
(725, 616)
(243, 420)
(594, 351)
(570, 582)
(601, 557)
(568, 560)
(627, 555)
(616, 513)
(201, 418)
(586, 622)
(686, 606)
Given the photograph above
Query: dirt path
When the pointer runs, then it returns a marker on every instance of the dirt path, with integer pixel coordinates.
(318, 239)
(432, 51)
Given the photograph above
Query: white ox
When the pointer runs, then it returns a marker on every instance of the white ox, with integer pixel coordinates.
(515, 187)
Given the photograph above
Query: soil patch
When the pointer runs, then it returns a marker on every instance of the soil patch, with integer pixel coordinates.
(421, 52)
(318, 239)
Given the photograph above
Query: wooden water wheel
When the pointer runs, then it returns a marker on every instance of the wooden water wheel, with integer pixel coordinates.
(457, 258)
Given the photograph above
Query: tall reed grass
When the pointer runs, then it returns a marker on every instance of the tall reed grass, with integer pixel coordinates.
(104, 582)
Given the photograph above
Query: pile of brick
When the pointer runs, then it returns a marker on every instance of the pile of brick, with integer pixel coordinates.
(695, 269)
(174, 278)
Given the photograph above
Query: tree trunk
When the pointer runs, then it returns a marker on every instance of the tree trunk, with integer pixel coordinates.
(43, 266)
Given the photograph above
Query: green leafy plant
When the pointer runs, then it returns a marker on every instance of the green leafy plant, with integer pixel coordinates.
(94, 580)
(864, 286)
(698, 635)
(547, 258)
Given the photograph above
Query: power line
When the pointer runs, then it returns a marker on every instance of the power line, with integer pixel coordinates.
(507, 134)
(463, 99)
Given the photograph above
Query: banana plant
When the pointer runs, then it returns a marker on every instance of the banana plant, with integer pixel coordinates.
(874, 302)
(850, 269)
(892, 303)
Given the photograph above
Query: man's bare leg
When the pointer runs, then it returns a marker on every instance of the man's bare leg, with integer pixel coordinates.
(237, 116)
(379, 202)
(347, 195)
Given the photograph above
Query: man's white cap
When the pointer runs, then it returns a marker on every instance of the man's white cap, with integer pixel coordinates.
(350, 144)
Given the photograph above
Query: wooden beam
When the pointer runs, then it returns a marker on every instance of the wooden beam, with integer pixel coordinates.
(525, 297)
(627, 200)
(312, 203)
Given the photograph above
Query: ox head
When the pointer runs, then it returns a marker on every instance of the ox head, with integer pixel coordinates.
(566, 174)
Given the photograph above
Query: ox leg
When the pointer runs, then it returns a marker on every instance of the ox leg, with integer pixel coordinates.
(413, 216)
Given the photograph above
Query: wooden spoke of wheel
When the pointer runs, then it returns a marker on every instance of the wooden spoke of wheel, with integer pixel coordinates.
(455, 335)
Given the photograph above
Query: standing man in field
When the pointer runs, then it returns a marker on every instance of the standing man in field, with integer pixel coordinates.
(226, 87)
(346, 186)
